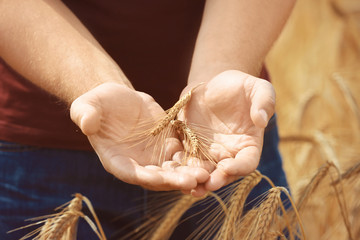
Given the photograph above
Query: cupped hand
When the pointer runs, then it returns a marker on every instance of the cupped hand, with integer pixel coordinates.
(107, 114)
(236, 107)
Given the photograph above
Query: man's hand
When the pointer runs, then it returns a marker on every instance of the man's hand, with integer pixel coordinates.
(107, 114)
(236, 107)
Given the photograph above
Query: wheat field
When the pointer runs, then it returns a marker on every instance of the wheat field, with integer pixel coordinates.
(315, 66)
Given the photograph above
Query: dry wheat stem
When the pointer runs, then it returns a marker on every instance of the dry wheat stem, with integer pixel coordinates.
(98, 225)
(311, 186)
(333, 161)
(352, 171)
(349, 97)
(237, 200)
(297, 138)
(220, 201)
(246, 225)
(327, 150)
(172, 113)
(294, 209)
(165, 228)
(304, 104)
(341, 201)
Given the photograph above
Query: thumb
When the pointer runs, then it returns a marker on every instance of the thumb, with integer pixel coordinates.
(262, 103)
(85, 115)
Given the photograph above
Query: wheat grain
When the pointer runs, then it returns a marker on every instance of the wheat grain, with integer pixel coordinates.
(67, 219)
(267, 213)
(189, 135)
(171, 113)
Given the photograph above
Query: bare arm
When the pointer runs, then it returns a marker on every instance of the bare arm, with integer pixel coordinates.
(46, 43)
(237, 34)
(234, 38)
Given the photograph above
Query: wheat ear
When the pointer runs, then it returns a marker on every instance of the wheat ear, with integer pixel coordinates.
(267, 213)
(173, 112)
(172, 217)
(67, 219)
(189, 136)
(237, 200)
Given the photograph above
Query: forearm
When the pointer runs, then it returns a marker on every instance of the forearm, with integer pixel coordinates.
(237, 34)
(47, 44)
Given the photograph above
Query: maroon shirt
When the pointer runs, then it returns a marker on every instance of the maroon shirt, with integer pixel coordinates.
(152, 41)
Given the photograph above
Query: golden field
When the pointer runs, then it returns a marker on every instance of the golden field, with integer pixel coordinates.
(315, 67)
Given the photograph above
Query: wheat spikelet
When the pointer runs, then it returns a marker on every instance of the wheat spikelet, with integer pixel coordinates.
(195, 143)
(236, 202)
(267, 213)
(63, 225)
(189, 135)
(67, 219)
(44, 233)
(172, 113)
(172, 217)
(246, 224)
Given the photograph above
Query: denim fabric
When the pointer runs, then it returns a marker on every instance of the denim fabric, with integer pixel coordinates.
(34, 181)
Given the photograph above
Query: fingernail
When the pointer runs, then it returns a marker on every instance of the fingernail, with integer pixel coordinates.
(263, 115)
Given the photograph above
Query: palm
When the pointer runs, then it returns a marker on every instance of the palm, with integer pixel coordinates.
(107, 115)
(122, 110)
(228, 105)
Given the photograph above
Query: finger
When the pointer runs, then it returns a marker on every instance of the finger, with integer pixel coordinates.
(262, 103)
(172, 146)
(179, 156)
(170, 165)
(169, 180)
(85, 115)
(219, 179)
(200, 174)
(245, 162)
(199, 191)
(151, 177)
(187, 192)
(199, 163)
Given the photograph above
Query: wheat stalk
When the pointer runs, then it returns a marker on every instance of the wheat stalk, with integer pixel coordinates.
(63, 225)
(168, 224)
(236, 202)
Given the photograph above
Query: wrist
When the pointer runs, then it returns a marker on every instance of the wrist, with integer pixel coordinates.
(207, 72)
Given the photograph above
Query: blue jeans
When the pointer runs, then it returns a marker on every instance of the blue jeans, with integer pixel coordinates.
(34, 181)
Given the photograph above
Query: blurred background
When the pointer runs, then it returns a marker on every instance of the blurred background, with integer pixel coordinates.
(315, 68)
